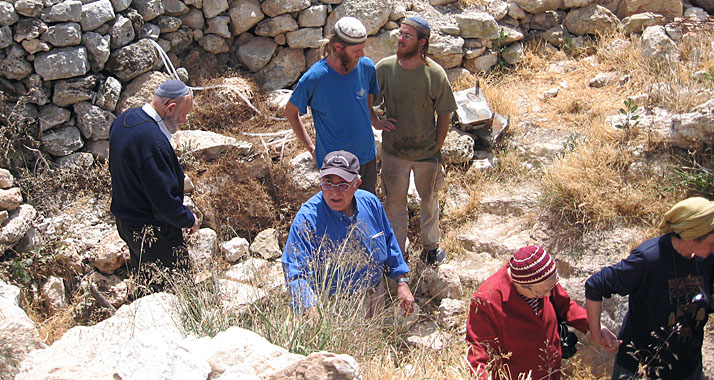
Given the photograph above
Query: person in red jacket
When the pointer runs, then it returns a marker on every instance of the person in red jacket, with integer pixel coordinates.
(512, 326)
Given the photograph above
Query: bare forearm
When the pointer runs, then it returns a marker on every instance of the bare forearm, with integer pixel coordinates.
(293, 116)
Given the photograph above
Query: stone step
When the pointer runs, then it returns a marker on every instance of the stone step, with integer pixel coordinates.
(496, 235)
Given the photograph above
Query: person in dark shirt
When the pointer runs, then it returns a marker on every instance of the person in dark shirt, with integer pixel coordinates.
(668, 281)
(147, 179)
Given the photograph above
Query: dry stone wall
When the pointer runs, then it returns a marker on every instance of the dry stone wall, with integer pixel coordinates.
(71, 62)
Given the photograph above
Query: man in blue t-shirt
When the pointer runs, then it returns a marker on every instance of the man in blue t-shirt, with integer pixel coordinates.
(341, 241)
(339, 90)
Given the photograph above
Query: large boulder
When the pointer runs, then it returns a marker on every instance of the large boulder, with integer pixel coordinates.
(667, 8)
(458, 147)
(381, 45)
(538, 6)
(257, 52)
(306, 174)
(65, 34)
(446, 50)
(149, 9)
(273, 26)
(95, 14)
(283, 70)
(122, 32)
(71, 91)
(70, 10)
(313, 16)
(637, 23)
(17, 224)
(373, 14)
(18, 335)
(274, 8)
(244, 15)
(98, 49)
(208, 146)
(140, 90)
(592, 19)
(62, 63)
(62, 141)
(28, 29)
(212, 8)
(477, 25)
(131, 61)
(304, 38)
(15, 66)
(8, 16)
(266, 244)
(93, 121)
(320, 366)
(657, 45)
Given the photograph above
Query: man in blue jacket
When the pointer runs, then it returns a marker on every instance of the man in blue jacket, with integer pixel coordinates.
(341, 240)
(147, 179)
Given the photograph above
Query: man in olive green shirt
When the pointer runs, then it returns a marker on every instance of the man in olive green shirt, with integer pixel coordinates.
(419, 101)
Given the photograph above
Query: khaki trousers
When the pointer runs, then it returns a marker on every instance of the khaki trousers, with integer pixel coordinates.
(374, 299)
(428, 178)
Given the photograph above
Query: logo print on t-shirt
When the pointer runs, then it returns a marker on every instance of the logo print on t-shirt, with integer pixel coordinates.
(361, 93)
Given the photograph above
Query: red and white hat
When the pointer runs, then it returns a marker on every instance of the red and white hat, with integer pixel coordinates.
(531, 265)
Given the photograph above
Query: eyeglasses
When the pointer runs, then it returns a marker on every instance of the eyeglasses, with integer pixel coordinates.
(406, 36)
(343, 186)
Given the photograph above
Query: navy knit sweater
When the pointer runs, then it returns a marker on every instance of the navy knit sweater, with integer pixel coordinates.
(147, 180)
(663, 288)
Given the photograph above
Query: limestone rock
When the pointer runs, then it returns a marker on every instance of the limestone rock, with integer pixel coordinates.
(28, 8)
(168, 24)
(456, 74)
(266, 244)
(3, 216)
(214, 44)
(28, 29)
(93, 121)
(15, 66)
(8, 16)
(208, 146)
(442, 282)
(274, 8)
(61, 141)
(271, 27)
(456, 200)
(380, 46)
(180, 40)
(5, 37)
(95, 14)
(121, 33)
(235, 249)
(446, 50)
(212, 8)
(373, 14)
(427, 335)
(6, 179)
(54, 294)
(76, 161)
(556, 35)
(458, 147)
(120, 5)
(99, 149)
(71, 91)
(175, 7)
(108, 94)
(18, 223)
(193, 19)
(66, 34)
(219, 26)
(513, 53)
(10, 199)
(98, 49)
(133, 60)
(202, 246)
(20, 336)
(450, 310)
(482, 63)
(236, 297)
(657, 45)
(313, 16)
(603, 79)
(244, 15)
(110, 254)
(70, 10)
(592, 19)
(62, 63)
(113, 288)
(306, 174)
(304, 38)
(477, 25)
(667, 8)
(140, 90)
(320, 366)
(538, 6)
(638, 22)
(283, 70)
(498, 8)
(149, 9)
(257, 53)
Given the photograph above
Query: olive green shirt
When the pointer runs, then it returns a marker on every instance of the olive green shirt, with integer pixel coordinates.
(414, 98)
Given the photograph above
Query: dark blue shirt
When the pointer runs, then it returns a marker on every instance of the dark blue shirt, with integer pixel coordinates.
(147, 179)
(662, 288)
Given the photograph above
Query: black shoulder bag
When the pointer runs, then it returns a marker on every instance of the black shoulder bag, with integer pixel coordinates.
(568, 339)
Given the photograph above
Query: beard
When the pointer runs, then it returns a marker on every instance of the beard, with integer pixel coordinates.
(348, 63)
(408, 53)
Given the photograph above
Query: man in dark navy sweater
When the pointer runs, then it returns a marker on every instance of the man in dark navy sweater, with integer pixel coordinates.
(147, 180)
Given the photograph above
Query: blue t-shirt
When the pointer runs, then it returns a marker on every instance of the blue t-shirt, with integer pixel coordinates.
(340, 108)
(361, 246)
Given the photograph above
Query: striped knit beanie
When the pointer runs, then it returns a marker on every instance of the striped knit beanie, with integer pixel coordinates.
(531, 265)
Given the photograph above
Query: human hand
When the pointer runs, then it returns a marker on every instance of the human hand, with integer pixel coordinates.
(193, 228)
(388, 125)
(605, 338)
(405, 298)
